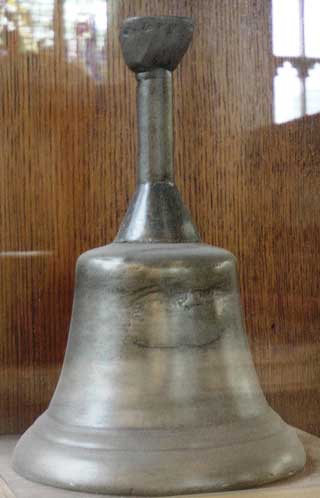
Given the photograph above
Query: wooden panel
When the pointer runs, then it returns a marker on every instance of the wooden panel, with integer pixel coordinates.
(67, 171)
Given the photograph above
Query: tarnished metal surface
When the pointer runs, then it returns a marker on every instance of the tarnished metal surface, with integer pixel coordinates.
(158, 393)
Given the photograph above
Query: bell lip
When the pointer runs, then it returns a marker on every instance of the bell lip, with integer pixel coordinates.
(268, 459)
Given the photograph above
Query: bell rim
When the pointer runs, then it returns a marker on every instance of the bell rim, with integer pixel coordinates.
(121, 472)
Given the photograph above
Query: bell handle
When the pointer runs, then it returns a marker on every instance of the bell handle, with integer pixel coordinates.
(150, 43)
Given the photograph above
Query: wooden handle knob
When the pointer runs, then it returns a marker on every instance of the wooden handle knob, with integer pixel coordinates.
(155, 42)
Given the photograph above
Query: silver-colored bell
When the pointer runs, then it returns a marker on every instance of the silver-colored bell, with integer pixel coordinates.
(158, 394)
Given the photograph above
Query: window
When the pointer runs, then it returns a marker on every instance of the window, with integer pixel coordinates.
(32, 22)
(85, 25)
(296, 48)
(30, 27)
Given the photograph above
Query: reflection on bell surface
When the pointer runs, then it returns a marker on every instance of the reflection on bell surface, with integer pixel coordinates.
(158, 394)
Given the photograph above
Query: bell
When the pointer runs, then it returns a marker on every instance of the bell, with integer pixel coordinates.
(158, 394)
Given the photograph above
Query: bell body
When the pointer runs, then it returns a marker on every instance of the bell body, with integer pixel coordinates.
(158, 394)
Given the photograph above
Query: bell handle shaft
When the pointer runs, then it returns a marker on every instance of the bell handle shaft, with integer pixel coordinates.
(155, 133)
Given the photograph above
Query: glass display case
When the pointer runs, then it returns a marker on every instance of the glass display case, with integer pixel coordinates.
(247, 164)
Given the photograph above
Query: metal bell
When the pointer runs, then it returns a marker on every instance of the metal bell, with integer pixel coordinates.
(158, 394)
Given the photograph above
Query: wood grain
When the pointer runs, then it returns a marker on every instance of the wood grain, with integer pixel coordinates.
(68, 148)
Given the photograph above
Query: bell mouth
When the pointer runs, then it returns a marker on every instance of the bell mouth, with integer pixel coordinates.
(159, 462)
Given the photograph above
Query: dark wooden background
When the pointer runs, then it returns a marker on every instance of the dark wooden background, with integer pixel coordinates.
(67, 171)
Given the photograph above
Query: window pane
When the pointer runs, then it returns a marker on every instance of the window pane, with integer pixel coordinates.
(313, 90)
(85, 31)
(33, 22)
(287, 27)
(311, 28)
(288, 94)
